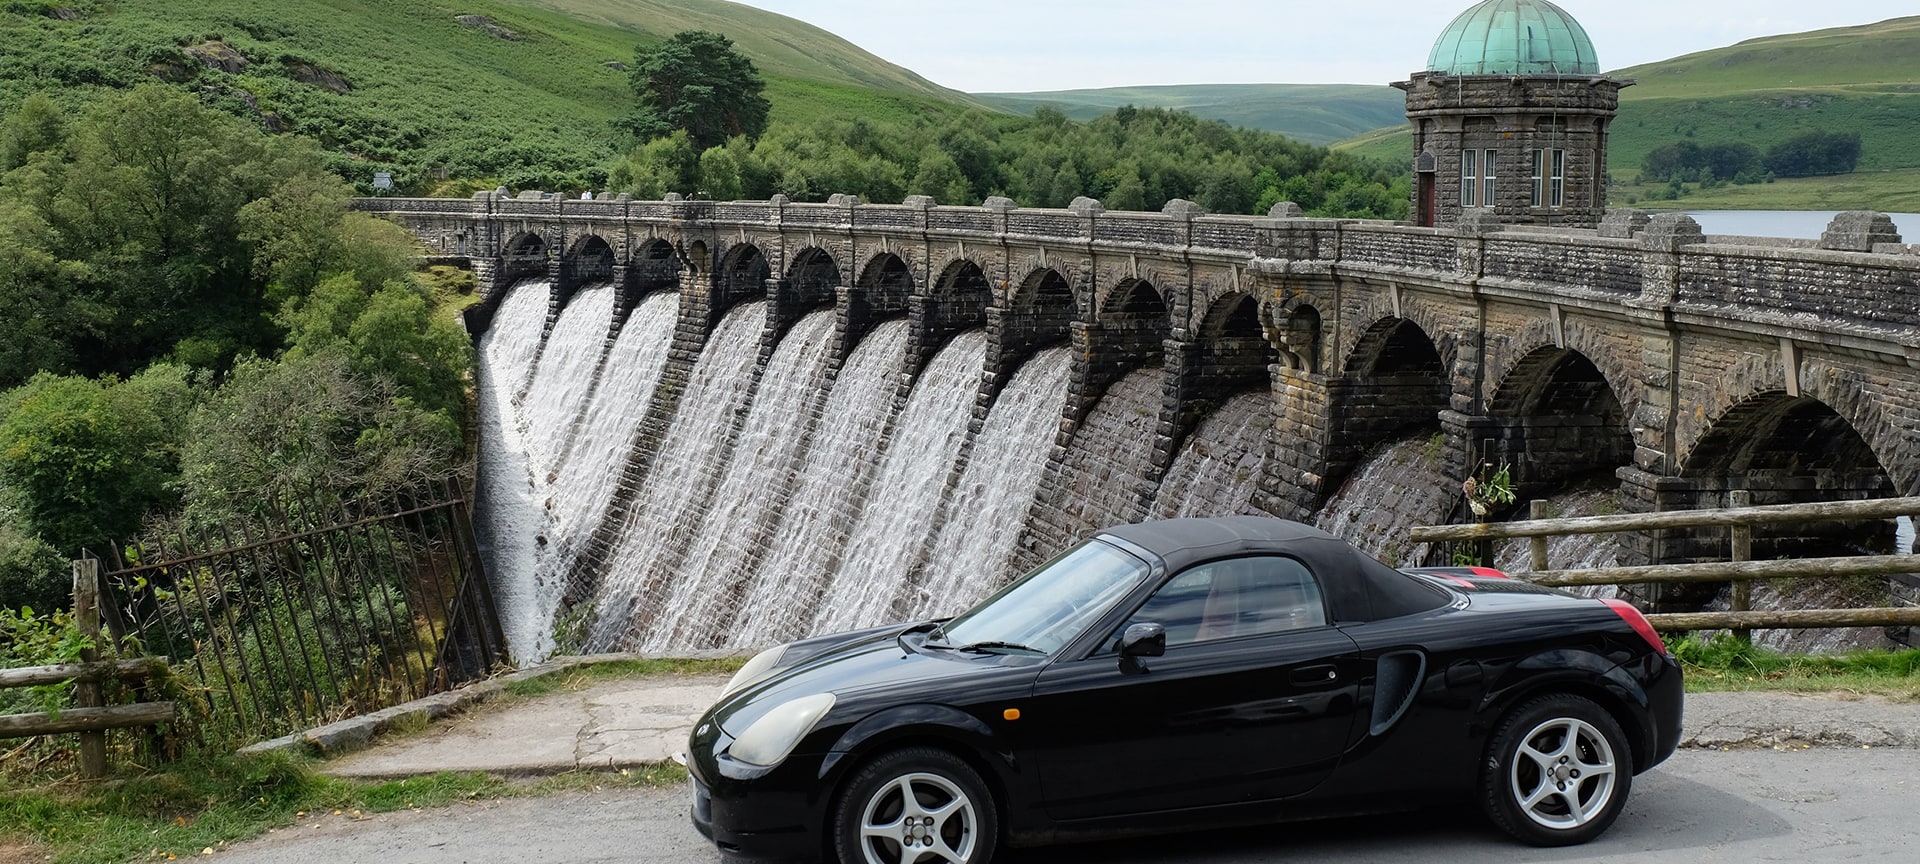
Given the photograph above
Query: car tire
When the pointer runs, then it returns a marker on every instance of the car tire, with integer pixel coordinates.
(1557, 771)
(918, 805)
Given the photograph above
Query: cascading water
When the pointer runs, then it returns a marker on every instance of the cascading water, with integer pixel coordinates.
(557, 389)
(643, 563)
(1107, 464)
(506, 512)
(972, 555)
(804, 551)
(1397, 488)
(894, 526)
(1219, 468)
(725, 550)
(603, 434)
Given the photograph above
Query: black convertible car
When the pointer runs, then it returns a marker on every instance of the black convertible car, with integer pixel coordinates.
(1185, 674)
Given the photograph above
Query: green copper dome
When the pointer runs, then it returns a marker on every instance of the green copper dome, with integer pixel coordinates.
(1514, 37)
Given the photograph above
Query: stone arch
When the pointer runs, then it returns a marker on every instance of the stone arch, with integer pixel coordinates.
(964, 289)
(1228, 355)
(1782, 449)
(1554, 417)
(1135, 322)
(884, 285)
(525, 254)
(813, 279)
(1040, 312)
(741, 276)
(1394, 381)
(1234, 351)
(591, 259)
(655, 266)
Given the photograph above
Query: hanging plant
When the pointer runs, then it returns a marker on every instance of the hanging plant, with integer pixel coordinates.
(1489, 490)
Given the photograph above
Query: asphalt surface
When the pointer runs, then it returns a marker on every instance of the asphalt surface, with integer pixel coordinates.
(1760, 777)
(1792, 805)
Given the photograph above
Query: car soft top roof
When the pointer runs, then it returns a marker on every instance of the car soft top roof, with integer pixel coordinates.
(1358, 587)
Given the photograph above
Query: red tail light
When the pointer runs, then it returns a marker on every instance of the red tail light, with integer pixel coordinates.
(1638, 622)
(1487, 573)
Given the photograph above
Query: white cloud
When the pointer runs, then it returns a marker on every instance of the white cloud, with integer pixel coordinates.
(1021, 45)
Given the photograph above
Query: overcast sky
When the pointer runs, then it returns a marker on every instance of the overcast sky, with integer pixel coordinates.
(1025, 45)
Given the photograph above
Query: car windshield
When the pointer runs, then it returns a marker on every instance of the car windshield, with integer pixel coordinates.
(1043, 611)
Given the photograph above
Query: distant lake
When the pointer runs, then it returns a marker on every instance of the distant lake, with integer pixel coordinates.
(1795, 224)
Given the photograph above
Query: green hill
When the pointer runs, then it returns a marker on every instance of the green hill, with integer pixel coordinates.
(522, 94)
(779, 45)
(1314, 113)
(1764, 91)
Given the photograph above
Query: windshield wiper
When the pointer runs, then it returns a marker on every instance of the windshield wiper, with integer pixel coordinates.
(990, 647)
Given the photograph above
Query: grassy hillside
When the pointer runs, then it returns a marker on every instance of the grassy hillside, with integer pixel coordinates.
(1764, 91)
(780, 45)
(402, 86)
(1314, 113)
(1873, 58)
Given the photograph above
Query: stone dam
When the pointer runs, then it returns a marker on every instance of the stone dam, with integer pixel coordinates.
(725, 424)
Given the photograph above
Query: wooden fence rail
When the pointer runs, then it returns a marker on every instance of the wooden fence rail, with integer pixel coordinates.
(1741, 571)
(89, 716)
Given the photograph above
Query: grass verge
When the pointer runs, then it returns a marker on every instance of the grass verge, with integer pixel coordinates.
(583, 676)
(196, 806)
(209, 803)
(1722, 663)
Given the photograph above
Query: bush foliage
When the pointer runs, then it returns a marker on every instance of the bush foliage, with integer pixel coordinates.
(198, 319)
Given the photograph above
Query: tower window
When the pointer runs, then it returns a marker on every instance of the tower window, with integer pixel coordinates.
(1549, 178)
(1486, 199)
(1476, 177)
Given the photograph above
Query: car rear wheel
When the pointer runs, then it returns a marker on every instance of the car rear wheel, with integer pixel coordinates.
(915, 806)
(1557, 771)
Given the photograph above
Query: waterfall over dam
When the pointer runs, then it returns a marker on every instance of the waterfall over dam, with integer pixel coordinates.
(793, 494)
(790, 473)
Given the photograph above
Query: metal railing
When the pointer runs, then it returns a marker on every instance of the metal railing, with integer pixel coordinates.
(327, 610)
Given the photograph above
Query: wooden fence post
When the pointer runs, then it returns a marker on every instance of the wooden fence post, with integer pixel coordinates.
(1537, 546)
(86, 694)
(1741, 541)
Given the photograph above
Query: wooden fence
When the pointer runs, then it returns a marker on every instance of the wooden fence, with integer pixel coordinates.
(1739, 570)
(89, 716)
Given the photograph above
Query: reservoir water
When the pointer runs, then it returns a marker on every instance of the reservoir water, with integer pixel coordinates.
(1790, 224)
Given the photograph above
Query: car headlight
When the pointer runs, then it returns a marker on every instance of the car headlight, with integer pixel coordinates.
(756, 669)
(772, 737)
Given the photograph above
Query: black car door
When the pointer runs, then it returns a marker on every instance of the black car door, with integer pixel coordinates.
(1253, 700)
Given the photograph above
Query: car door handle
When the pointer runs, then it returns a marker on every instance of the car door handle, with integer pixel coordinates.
(1310, 675)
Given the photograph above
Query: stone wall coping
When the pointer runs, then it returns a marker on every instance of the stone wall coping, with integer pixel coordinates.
(1762, 243)
(1884, 256)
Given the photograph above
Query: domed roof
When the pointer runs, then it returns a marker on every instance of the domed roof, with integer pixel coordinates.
(1514, 37)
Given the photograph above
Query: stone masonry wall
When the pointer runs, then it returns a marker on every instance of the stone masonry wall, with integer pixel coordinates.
(1682, 328)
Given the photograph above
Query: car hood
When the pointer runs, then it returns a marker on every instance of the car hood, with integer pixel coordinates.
(888, 660)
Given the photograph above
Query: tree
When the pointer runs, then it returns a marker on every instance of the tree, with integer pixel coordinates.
(1815, 154)
(1728, 161)
(87, 459)
(37, 126)
(695, 82)
(306, 426)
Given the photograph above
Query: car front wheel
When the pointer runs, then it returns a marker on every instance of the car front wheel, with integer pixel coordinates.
(1557, 771)
(915, 806)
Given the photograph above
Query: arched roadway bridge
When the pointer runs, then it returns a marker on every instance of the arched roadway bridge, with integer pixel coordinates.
(1686, 365)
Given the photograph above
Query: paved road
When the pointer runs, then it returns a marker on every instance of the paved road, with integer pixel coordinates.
(1700, 807)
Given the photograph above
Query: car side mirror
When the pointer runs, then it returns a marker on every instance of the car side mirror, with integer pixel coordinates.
(1144, 640)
